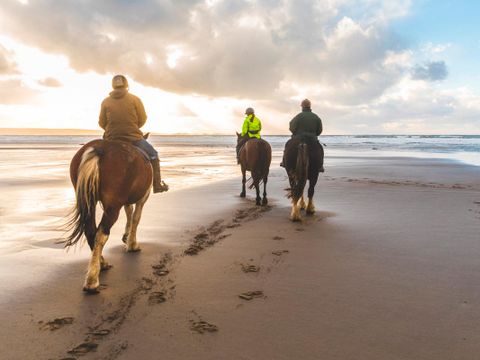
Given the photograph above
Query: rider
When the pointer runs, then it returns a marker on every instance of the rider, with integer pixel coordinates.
(308, 125)
(251, 129)
(121, 116)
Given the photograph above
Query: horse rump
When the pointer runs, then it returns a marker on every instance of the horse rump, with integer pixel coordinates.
(262, 167)
(297, 165)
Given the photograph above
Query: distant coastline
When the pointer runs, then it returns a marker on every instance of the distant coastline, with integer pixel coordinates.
(51, 131)
(40, 131)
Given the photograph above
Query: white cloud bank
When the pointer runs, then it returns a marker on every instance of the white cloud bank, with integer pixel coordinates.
(342, 54)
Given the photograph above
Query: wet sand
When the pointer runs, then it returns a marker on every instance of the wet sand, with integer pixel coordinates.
(388, 268)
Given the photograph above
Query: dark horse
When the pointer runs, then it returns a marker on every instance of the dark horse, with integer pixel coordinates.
(302, 158)
(115, 174)
(255, 156)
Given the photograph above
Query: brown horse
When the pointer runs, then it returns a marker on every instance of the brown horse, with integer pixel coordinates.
(115, 174)
(255, 156)
(302, 159)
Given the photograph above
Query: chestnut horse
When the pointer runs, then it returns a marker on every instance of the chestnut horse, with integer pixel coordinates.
(302, 160)
(255, 156)
(117, 175)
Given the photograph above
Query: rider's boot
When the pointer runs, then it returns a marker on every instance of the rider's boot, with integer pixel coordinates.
(158, 185)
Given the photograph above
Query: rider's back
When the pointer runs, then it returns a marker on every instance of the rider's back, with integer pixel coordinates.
(122, 115)
(306, 123)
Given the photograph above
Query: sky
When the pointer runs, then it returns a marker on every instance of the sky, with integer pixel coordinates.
(368, 67)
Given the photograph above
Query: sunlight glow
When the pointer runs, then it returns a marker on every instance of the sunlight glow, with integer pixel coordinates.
(174, 54)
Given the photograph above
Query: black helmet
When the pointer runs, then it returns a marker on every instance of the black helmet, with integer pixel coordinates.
(119, 81)
(249, 111)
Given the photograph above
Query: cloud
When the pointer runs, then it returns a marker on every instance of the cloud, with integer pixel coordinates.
(244, 49)
(184, 111)
(342, 54)
(8, 65)
(14, 92)
(432, 71)
(50, 82)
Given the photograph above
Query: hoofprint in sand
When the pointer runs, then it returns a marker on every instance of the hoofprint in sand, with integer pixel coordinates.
(386, 269)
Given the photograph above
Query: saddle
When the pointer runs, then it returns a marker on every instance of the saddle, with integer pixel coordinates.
(143, 153)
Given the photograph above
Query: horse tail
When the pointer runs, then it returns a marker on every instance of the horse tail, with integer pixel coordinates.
(261, 168)
(300, 174)
(86, 194)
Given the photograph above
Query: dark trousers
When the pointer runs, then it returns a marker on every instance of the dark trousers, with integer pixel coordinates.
(147, 147)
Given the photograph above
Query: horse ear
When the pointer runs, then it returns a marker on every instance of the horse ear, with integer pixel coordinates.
(238, 135)
(145, 136)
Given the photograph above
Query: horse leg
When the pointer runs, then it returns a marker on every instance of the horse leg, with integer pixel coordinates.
(90, 233)
(301, 203)
(258, 199)
(92, 280)
(244, 180)
(132, 245)
(128, 226)
(265, 200)
(311, 190)
(295, 214)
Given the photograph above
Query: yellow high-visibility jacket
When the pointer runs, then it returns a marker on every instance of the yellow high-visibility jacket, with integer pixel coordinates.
(252, 126)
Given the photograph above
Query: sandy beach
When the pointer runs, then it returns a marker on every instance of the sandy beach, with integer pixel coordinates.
(387, 268)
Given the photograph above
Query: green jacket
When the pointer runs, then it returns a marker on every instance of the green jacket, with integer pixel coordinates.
(306, 123)
(121, 116)
(252, 127)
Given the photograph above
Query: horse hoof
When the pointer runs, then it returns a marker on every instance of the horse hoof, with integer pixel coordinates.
(124, 238)
(242, 194)
(91, 291)
(295, 219)
(134, 250)
(310, 211)
(264, 202)
(105, 267)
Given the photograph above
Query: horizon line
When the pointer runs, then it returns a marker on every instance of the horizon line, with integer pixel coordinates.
(75, 131)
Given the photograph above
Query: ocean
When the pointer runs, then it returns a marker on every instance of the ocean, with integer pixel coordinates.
(464, 148)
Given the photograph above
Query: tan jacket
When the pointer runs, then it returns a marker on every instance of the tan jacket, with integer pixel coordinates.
(121, 116)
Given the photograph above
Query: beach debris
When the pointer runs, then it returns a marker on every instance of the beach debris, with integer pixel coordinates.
(280, 252)
(202, 326)
(251, 295)
(83, 348)
(157, 297)
(56, 323)
(250, 268)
